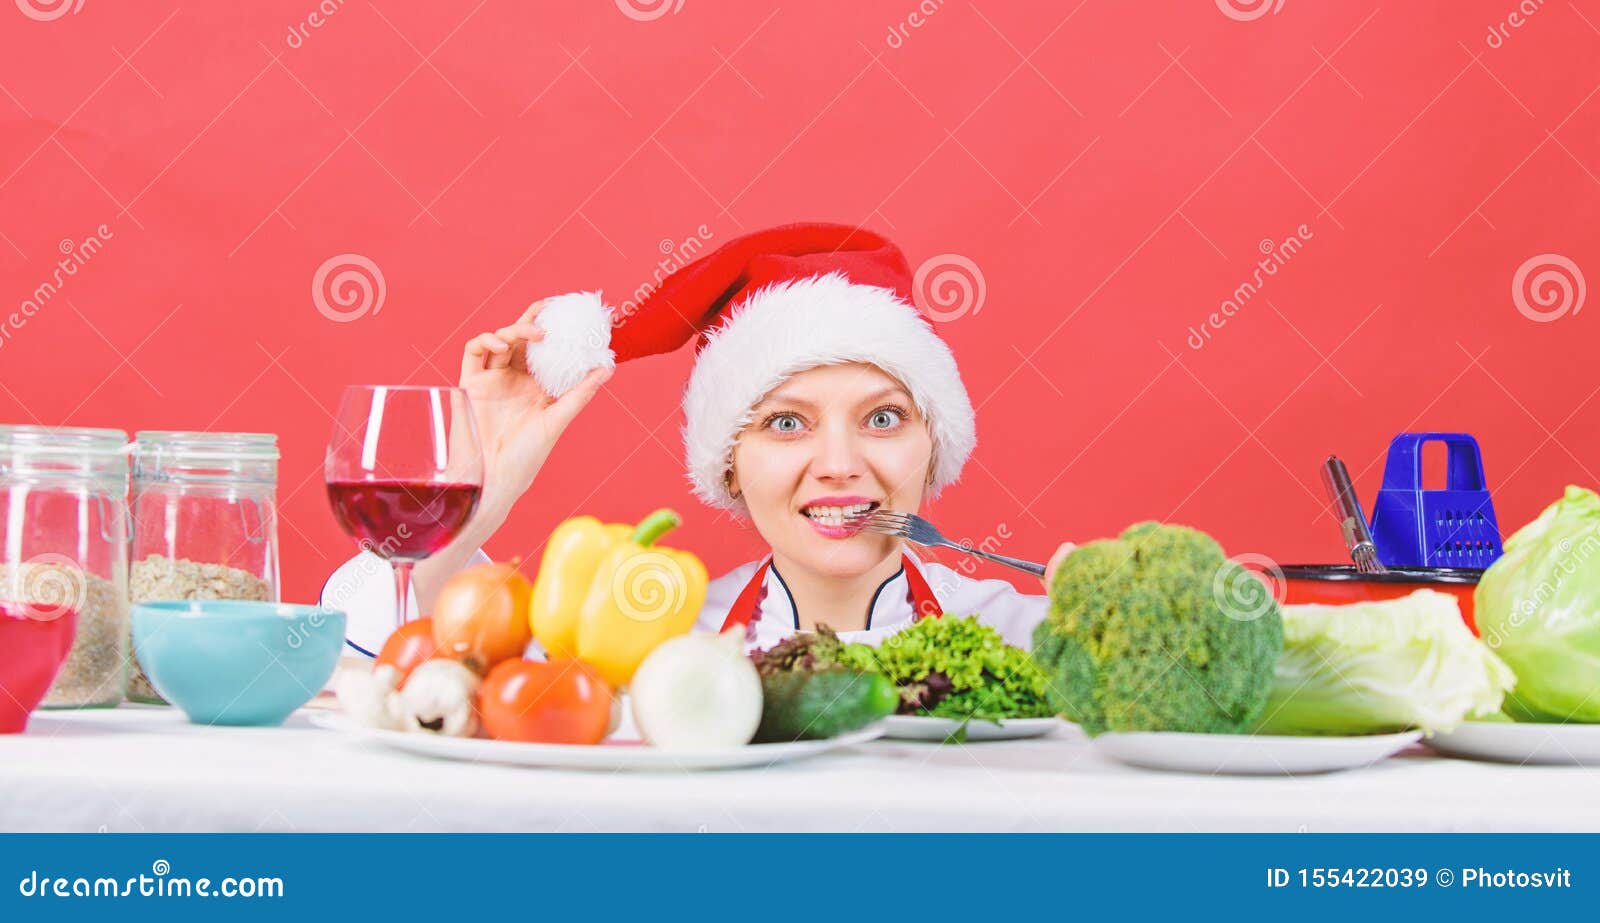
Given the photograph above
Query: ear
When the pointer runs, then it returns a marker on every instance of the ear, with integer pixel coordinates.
(731, 479)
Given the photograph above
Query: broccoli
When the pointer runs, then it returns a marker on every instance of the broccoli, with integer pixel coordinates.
(1157, 631)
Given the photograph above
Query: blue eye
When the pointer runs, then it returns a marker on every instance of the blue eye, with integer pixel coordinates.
(885, 418)
(783, 423)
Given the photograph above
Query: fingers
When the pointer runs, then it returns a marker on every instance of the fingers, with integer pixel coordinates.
(568, 405)
(482, 350)
(532, 312)
(1055, 562)
(519, 335)
(527, 332)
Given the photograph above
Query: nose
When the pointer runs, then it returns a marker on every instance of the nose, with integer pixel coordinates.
(838, 456)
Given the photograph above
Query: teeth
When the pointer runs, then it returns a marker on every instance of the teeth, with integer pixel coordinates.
(835, 515)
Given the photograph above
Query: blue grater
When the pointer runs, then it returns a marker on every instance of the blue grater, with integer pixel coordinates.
(1454, 527)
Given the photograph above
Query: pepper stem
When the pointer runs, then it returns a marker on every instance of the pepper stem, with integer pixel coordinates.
(655, 525)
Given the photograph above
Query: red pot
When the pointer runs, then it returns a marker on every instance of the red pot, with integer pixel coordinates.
(1337, 584)
(31, 653)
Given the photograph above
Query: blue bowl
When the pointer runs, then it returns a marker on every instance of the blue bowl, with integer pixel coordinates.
(234, 662)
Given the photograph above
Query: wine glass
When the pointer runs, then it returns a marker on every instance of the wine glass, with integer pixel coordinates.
(404, 471)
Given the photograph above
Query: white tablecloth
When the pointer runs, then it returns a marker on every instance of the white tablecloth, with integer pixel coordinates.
(146, 769)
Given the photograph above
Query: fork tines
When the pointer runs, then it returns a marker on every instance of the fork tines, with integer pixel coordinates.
(1366, 558)
(887, 522)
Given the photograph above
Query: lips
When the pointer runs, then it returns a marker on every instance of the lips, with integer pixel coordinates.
(835, 510)
(831, 516)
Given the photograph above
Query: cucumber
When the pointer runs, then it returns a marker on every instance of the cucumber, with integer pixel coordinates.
(826, 703)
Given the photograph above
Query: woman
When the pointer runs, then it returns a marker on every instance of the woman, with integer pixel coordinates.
(818, 392)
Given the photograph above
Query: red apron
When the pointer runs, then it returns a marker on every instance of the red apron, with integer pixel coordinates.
(743, 612)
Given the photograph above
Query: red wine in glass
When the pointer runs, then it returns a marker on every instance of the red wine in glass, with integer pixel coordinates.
(406, 520)
(404, 471)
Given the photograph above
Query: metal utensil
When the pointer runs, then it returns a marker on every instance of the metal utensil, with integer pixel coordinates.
(1336, 478)
(914, 528)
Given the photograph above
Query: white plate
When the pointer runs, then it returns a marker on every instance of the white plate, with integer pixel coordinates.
(923, 727)
(615, 756)
(1537, 744)
(1250, 754)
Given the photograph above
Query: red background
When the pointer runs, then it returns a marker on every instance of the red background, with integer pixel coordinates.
(1110, 168)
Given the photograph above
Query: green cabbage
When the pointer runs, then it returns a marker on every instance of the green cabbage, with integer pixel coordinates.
(1538, 607)
(1368, 668)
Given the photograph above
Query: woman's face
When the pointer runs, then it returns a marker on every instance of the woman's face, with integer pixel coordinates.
(828, 440)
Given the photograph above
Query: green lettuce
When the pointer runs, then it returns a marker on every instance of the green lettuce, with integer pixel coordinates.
(1538, 606)
(956, 667)
(1368, 668)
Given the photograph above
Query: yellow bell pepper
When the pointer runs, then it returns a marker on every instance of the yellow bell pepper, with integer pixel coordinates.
(606, 594)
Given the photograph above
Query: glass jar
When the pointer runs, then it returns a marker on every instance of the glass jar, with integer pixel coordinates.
(64, 546)
(205, 519)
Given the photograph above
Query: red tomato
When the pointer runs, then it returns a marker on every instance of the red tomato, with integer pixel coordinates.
(555, 702)
(409, 645)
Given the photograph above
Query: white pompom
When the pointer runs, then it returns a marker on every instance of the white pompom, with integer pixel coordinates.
(577, 340)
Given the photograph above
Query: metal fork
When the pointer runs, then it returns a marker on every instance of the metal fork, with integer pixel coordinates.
(914, 528)
(1352, 523)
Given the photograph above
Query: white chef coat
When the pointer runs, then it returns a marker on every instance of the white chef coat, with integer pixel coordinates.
(995, 602)
(363, 587)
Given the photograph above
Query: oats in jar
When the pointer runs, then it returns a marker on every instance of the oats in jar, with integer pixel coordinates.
(96, 670)
(159, 577)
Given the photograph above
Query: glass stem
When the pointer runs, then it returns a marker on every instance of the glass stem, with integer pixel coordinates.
(402, 592)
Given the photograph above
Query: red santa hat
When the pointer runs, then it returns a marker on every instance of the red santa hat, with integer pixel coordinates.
(765, 306)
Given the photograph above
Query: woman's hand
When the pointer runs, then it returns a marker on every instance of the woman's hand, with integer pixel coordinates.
(518, 424)
(1055, 562)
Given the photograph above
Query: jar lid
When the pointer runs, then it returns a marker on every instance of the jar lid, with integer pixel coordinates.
(198, 446)
(62, 440)
(66, 452)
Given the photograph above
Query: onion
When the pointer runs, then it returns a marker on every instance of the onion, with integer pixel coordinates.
(697, 691)
(481, 616)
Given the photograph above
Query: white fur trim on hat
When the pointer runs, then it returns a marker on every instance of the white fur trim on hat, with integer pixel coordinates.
(577, 340)
(825, 320)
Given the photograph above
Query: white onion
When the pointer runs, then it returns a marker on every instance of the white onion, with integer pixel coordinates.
(697, 691)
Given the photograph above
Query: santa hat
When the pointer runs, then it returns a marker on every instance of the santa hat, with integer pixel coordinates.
(765, 306)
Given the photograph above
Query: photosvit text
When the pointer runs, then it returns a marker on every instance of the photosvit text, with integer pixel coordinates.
(1416, 877)
(1274, 257)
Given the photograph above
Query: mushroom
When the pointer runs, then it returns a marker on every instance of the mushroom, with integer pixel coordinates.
(438, 699)
(369, 697)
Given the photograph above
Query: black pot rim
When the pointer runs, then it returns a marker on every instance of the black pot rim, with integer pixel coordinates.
(1347, 573)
